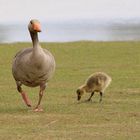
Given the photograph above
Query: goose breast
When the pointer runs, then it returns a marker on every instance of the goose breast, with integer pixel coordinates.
(32, 71)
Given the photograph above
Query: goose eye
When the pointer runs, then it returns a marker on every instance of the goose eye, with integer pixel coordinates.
(31, 22)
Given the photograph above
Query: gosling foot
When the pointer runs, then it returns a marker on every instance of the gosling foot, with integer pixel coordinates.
(89, 100)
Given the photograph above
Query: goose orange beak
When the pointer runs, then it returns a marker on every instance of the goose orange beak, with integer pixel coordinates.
(37, 27)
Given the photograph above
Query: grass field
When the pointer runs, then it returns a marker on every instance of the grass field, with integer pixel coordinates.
(117, 117)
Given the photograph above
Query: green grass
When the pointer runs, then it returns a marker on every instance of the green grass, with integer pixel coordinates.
(116, 118)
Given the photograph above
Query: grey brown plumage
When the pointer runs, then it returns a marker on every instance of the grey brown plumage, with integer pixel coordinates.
(33, 66)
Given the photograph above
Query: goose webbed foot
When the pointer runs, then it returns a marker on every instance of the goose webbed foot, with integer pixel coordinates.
(38, 109)
(29, 105)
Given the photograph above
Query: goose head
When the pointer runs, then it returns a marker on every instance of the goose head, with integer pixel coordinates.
(34, 26)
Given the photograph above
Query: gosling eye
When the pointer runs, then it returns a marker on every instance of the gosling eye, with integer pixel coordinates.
(78, 92)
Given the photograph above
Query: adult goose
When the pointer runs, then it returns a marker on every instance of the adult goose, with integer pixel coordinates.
(33, 66)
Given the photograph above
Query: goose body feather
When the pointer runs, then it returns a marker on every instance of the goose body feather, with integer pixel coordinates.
(32, 70)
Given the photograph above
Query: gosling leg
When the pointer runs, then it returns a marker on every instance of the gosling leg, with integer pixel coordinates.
(101, 94)
(90, 96)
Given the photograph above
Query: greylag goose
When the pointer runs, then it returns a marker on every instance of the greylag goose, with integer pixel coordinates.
(34, 66)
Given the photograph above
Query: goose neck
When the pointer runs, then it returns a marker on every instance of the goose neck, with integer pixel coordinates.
(35, 41)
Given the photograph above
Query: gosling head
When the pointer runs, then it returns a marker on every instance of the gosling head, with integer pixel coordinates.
(34, 26)
(79, 94)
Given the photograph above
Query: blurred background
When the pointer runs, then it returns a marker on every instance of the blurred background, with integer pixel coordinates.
(71, 20)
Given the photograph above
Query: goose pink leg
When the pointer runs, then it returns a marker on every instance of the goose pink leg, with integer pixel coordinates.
(26, 99)
(24, 96)
(38, 108)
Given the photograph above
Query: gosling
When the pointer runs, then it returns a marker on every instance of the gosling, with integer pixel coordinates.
(96, 82)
